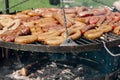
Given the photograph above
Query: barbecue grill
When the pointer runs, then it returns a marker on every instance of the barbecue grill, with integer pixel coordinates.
(92, 53)
(108, 40)
(82, 45)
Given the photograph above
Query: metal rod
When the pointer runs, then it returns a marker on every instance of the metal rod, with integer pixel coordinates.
(106, 48)
(18, 4)
(7, 6)
(19, 64)
(65, 20)
(7, 9)
(101, 2)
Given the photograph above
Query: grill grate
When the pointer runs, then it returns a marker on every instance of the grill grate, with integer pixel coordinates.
(84, 44)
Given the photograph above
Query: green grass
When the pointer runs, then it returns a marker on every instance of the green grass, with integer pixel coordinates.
(26, 5)
(45, 3)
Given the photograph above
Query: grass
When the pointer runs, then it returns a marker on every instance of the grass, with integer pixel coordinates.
(45, 3)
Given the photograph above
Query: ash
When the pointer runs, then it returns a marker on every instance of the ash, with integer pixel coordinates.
(52, 71)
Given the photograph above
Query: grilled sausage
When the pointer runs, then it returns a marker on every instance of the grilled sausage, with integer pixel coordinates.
(25, 39)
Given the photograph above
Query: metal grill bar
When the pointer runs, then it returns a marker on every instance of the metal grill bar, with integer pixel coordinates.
(83, 45)
(113, 35)
(91, 41)
(98, 40)
(79, 42)
(84, 41)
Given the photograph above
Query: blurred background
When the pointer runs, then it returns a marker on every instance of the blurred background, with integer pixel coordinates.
(19, 5)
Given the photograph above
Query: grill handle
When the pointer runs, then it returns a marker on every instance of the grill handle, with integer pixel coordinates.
(106, 48)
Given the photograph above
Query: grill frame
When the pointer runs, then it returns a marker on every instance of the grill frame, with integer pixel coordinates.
(84, 45)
